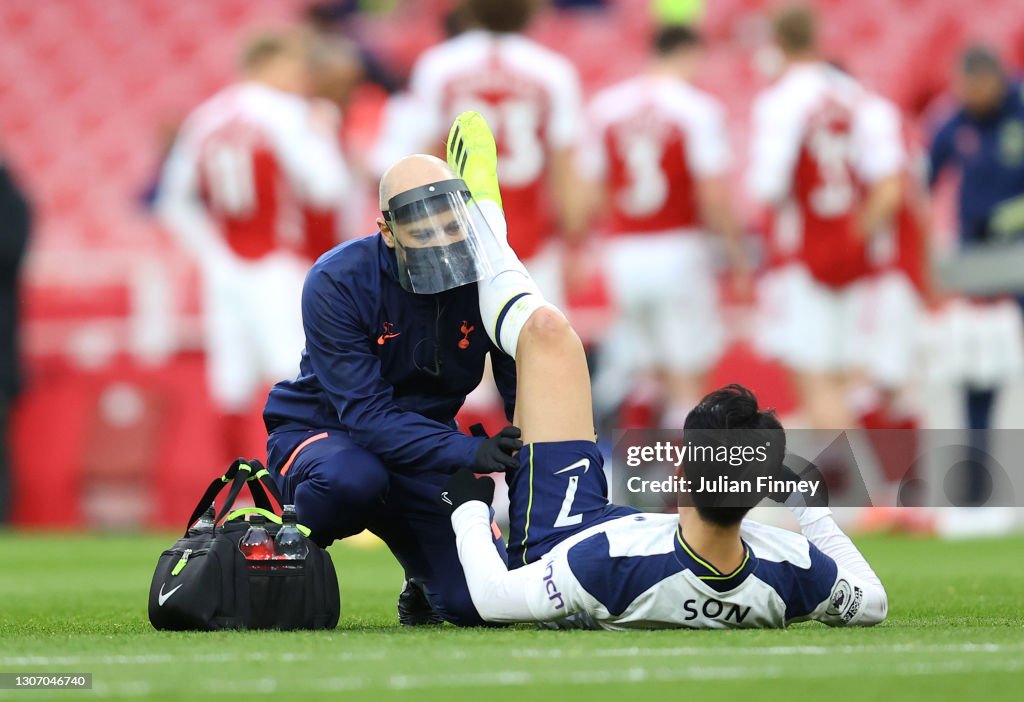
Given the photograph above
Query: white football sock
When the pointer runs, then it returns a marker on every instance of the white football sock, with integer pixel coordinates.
(510, 296)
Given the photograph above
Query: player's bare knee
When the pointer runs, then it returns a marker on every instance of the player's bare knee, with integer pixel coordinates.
(547, 327)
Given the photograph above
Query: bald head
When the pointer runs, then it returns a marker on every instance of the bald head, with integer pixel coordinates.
(412, 172)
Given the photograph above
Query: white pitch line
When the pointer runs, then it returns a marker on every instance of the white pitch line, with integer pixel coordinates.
(634, 674)
(627, 652)
(799, 650)
(159, 658)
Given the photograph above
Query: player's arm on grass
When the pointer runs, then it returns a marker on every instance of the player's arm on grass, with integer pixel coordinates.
(338, 344)
(862, 601)
(499, 595)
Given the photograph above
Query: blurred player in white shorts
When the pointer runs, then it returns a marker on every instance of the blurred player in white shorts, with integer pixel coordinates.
(657, 157)
(252, 188)
(827, 159)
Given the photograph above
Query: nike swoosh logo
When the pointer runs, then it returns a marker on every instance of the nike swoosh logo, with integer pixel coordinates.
(164, 596)
(444, 498)
(384, 337)
(583, 463)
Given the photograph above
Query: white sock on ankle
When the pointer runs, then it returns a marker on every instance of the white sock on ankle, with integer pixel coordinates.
(510, 296)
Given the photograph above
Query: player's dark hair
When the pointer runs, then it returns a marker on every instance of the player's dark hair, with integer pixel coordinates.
(674, 37)
(795, 29)
(501, 15)
(269, 45)
(980, 59)
(729, 436)
(456, 21)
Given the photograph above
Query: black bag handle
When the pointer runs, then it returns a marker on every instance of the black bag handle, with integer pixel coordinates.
(242, 471)
(257, 477)
(262, 481)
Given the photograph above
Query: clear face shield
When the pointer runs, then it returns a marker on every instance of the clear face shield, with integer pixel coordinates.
(442, 240)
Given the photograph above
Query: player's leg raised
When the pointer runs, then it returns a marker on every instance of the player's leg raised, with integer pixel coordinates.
(553, 393)
(553, 389)
(559, 487)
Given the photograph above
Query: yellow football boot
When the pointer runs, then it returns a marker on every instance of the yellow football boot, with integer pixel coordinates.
(473, 155)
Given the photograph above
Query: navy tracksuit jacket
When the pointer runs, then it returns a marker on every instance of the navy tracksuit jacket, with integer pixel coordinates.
(388, 367)
(373, 408)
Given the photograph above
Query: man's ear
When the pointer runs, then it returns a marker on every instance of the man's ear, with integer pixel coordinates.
(385, 231)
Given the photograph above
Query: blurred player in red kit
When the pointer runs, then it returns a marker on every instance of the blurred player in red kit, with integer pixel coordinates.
(658, 156)
(531, 97)
(898, 253)
(827, 158)
(894, 313)
(251, 188)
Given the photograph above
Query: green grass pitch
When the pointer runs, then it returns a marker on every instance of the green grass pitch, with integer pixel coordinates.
(77, 604)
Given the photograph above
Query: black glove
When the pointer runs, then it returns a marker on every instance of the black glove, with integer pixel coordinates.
(465, 487)
(495, 453)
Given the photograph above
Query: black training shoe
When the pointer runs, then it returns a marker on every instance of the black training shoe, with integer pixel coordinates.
(413, 608)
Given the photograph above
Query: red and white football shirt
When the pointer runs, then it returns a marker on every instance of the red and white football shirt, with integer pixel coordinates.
(650, 139)
(530, 97)
(818, 138)
(256, 170)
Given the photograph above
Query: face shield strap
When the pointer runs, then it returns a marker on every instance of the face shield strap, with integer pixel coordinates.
(423, 192)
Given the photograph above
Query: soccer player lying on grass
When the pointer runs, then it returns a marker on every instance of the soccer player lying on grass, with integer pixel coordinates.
(576, 556)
